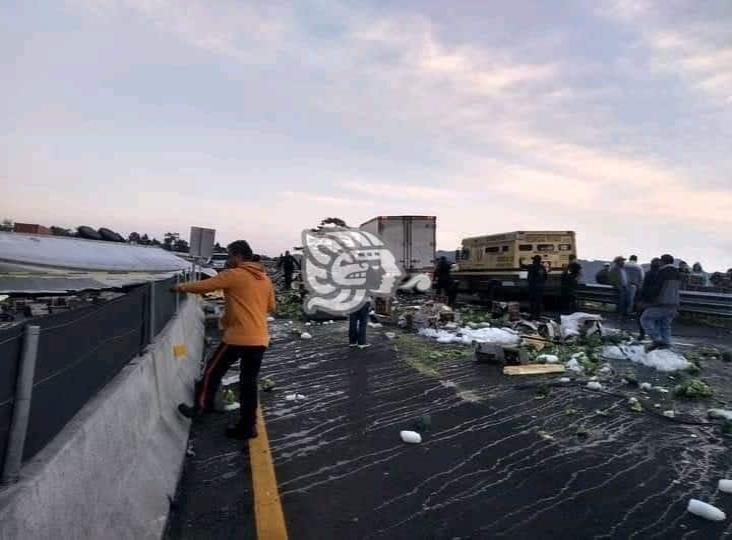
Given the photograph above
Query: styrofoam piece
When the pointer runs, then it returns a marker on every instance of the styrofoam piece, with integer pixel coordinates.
(705, 510)
(411, 437)
(725, 486)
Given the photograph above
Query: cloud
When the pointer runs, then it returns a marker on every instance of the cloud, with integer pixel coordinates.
(417, 117)
(683, 42)
(399, 190)
(248, 32)
(302, 197)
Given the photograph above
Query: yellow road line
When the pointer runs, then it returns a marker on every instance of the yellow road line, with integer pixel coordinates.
(268, 512)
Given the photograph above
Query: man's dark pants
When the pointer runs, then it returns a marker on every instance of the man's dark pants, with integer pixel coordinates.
(357, 324)
(288, 279)
(217, 366)
(536, 301)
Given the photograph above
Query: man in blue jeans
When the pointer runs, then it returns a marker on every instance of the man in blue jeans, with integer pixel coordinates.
(357, 323)
(663, 294)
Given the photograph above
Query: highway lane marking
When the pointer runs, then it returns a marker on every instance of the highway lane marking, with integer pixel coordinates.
(268, 513)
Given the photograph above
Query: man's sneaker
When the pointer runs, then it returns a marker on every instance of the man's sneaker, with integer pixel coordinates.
(653, 346)
(353, 344)
(241, 434)
(188, 411)
(364, 346)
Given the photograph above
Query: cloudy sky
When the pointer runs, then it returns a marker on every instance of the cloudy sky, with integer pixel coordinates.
(611, 118)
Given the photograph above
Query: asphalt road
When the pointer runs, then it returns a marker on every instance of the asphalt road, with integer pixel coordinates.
(499, 458)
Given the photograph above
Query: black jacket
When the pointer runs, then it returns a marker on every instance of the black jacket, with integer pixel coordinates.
(663, 287)
(442, 271)
(537, 275)
(288, 263)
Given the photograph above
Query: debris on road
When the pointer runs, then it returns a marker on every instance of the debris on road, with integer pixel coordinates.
(693, 388)
(725, 486)
(705, 510)
(306, 335)
(594, 385)
(390, 335)
(294, 397)
(410, 437)
(467, 335)
(720, 413)
(581, 325)
(533, 369)
(661, 359)
(635, 405)
(267, 385)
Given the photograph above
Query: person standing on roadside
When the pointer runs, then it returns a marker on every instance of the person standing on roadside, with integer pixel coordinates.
(248, 298)
(635, 275)
(288, 263)
(536, 277)
(442, 276)
(664, 297)
(570, 282)
(603, 275)
(619, 280)
(358, 321)
(643, 294)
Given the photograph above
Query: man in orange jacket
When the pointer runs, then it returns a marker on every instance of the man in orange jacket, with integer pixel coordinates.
(248, 297)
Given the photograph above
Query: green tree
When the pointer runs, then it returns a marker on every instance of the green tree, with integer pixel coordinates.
(170, 239)
(7, 225)
(180, 245)
(134, 238)
(330, 223)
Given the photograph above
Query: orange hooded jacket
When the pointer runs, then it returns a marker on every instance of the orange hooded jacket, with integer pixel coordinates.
(248, 297)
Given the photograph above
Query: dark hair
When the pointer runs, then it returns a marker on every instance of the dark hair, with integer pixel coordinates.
(240, 248)
(667, 259)
(634, 257)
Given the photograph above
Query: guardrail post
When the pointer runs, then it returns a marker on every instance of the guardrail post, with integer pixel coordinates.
(21, 405)
(177, 294)
(151, 316)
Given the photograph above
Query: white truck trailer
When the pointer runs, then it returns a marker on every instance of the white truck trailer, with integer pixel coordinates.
(412, 241)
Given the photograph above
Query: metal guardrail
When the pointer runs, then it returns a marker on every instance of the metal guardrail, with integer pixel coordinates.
(697, 302)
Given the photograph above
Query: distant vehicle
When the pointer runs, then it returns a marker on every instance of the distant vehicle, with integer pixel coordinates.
(218, 260)
(412, 241)
(491, 262)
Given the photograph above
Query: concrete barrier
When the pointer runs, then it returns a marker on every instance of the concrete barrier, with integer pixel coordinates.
(111, 471)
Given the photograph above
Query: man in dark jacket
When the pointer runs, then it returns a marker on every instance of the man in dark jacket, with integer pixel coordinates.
(662, 294)
(442, 276)
(643, 294)
(570, 282)
(287, 263)
(536, 277)
(603, 276)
